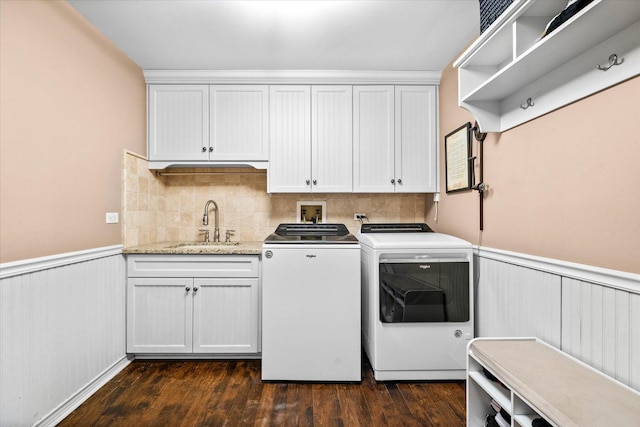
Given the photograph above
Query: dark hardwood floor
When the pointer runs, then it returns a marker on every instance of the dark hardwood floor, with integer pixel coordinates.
(230, 393)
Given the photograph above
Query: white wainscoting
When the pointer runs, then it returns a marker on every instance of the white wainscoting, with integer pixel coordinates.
(601, 327)
(513, 301)
(591, 313)
(62, 332)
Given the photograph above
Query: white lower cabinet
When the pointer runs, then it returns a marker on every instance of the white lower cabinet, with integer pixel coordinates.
(175, 309)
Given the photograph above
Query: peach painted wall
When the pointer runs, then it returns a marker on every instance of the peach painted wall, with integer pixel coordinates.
(564, 186)
(70, 101)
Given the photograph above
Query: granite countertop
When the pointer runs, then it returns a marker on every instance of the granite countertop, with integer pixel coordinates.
(197, 248)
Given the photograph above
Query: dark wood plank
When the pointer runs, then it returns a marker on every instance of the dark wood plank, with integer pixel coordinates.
(231, 393)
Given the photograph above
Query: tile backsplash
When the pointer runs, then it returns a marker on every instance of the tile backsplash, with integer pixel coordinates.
(170, 207)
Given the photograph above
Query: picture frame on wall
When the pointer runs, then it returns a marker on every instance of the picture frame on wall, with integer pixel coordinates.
(457, 153)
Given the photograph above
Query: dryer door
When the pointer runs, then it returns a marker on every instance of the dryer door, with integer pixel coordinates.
(424, 291)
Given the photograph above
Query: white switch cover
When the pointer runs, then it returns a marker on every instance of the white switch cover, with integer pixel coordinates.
(112, 217)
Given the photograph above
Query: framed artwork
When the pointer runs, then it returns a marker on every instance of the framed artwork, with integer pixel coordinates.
(457, 152)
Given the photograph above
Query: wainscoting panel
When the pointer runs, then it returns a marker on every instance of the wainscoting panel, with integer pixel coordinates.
(513, 301)
(60, 329)
(601, 327)
(590, 313)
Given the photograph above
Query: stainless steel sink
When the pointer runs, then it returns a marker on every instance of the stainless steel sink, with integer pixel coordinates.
(200, 245)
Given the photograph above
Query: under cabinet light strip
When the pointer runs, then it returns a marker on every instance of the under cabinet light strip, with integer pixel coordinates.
(158, 173)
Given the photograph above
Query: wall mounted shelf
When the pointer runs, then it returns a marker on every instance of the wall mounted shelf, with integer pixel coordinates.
(510, 63)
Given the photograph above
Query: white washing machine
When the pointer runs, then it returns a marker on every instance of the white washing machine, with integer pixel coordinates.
(417, 302)
(311, 304)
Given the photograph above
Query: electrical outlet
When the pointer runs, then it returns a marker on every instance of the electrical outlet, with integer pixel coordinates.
(359, 216)
(112, 217)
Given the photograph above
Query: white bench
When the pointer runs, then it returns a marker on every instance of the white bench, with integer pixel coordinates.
(540, 381)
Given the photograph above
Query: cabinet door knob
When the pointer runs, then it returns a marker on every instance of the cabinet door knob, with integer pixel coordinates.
(315, 182)
(393, 181)
(400, 181)
(195, 289)
(204, 149)
(187, 289)
(308, 182)
(211, 149)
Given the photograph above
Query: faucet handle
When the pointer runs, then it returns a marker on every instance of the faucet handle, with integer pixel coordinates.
(206, 232)
(227, 235)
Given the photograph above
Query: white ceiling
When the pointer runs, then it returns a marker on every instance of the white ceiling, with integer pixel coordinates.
(389, 35)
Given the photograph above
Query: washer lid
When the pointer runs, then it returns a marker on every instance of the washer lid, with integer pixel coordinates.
(412, 241)
(311, 233)
(418, 227)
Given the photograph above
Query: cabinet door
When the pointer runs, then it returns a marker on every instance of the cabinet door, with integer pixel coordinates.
(290, 139)
(225, 316)
(178, 120)
(239, 122)
(373, 133)
(331, 139)
(415, 139)
(159, 315)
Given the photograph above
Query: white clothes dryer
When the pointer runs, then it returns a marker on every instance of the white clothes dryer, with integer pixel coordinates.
(417, 302)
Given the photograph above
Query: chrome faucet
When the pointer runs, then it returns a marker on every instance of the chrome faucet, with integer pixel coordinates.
(205, 220)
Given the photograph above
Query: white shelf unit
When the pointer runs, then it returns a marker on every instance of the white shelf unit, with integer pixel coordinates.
(510, 63)
(529, 369)
(480, 391)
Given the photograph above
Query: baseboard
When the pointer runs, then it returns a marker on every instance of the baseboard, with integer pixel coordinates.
(195, 356)
(62, 411)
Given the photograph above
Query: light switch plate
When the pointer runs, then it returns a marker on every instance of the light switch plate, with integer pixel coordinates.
(112, 217)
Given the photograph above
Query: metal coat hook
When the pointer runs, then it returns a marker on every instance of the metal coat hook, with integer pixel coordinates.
(528, 104)
(613, 60)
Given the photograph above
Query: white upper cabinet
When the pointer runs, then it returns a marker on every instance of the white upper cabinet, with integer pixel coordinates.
(415, 139)
(373, 139)
(178, 120)
(395, 139)
(511, 75)
(200, 125)
(331, 139)
(290, 139)
(310, 139)
(239, 122)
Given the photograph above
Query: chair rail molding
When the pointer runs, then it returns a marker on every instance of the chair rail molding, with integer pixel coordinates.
(15, 268)
(616, 279)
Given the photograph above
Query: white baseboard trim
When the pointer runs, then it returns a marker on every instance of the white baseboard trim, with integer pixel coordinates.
(195, 356)
(622, 280)
(62, 411)
(31, 265)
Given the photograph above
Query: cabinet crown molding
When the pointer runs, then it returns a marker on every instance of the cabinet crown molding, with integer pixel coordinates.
(290, 77)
